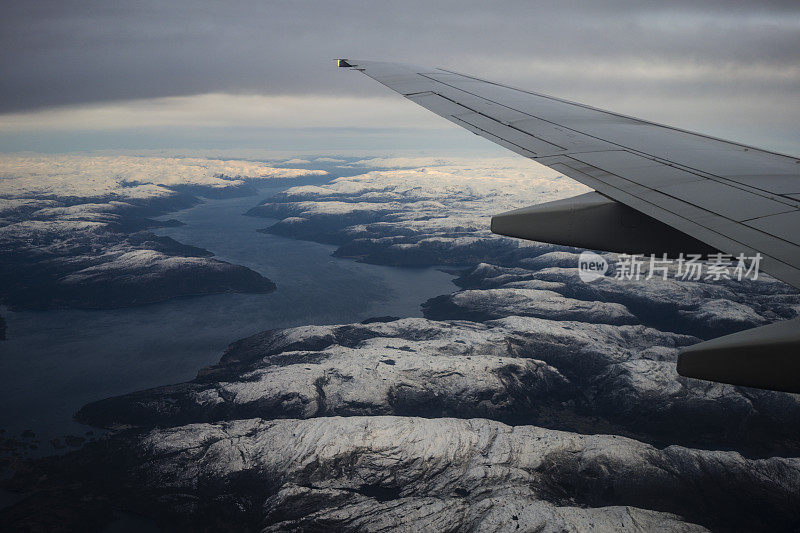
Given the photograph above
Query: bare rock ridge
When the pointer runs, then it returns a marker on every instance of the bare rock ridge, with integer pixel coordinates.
(381, 473)
(466, 474)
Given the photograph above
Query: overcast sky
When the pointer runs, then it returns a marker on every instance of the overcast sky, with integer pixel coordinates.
(86, 75)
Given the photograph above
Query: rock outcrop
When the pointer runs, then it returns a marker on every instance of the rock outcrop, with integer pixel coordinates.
(389, 473)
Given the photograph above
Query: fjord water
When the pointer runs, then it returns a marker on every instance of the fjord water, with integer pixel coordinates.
(56, 361)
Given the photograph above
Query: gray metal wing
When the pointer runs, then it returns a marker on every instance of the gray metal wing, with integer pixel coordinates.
(690, 190)
(733, 197)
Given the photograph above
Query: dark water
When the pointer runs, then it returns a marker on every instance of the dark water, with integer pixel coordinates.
(56, 361)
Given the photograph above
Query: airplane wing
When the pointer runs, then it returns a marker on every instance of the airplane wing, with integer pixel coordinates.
(659, 189)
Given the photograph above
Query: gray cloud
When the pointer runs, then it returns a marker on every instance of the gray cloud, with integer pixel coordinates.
(57, 53)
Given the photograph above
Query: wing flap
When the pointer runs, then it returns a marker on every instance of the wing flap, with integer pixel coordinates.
(785, 226)
(637, 169)
(511, 134)
(438, 104)
(721, 198)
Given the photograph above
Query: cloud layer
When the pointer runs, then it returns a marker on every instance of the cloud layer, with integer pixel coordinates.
(729, 69)
(75, 52)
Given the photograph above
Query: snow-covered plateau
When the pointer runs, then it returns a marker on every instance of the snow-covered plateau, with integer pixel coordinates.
(437, 214)
(74, 229)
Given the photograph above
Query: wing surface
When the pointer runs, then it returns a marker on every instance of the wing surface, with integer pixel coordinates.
(732, 197)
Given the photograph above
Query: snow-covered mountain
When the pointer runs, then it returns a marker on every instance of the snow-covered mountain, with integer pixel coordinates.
(528, 400)
(73, 229)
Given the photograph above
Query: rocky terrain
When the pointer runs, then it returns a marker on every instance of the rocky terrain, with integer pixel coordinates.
(419, 216)
(383, 473)
(527, 400)
(592, 366)
(74, 229)
(703, 308)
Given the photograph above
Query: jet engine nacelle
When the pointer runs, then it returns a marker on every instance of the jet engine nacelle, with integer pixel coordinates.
(596, 222)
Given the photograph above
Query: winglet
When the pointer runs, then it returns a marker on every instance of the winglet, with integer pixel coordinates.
(767, 357)
(343, 63)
